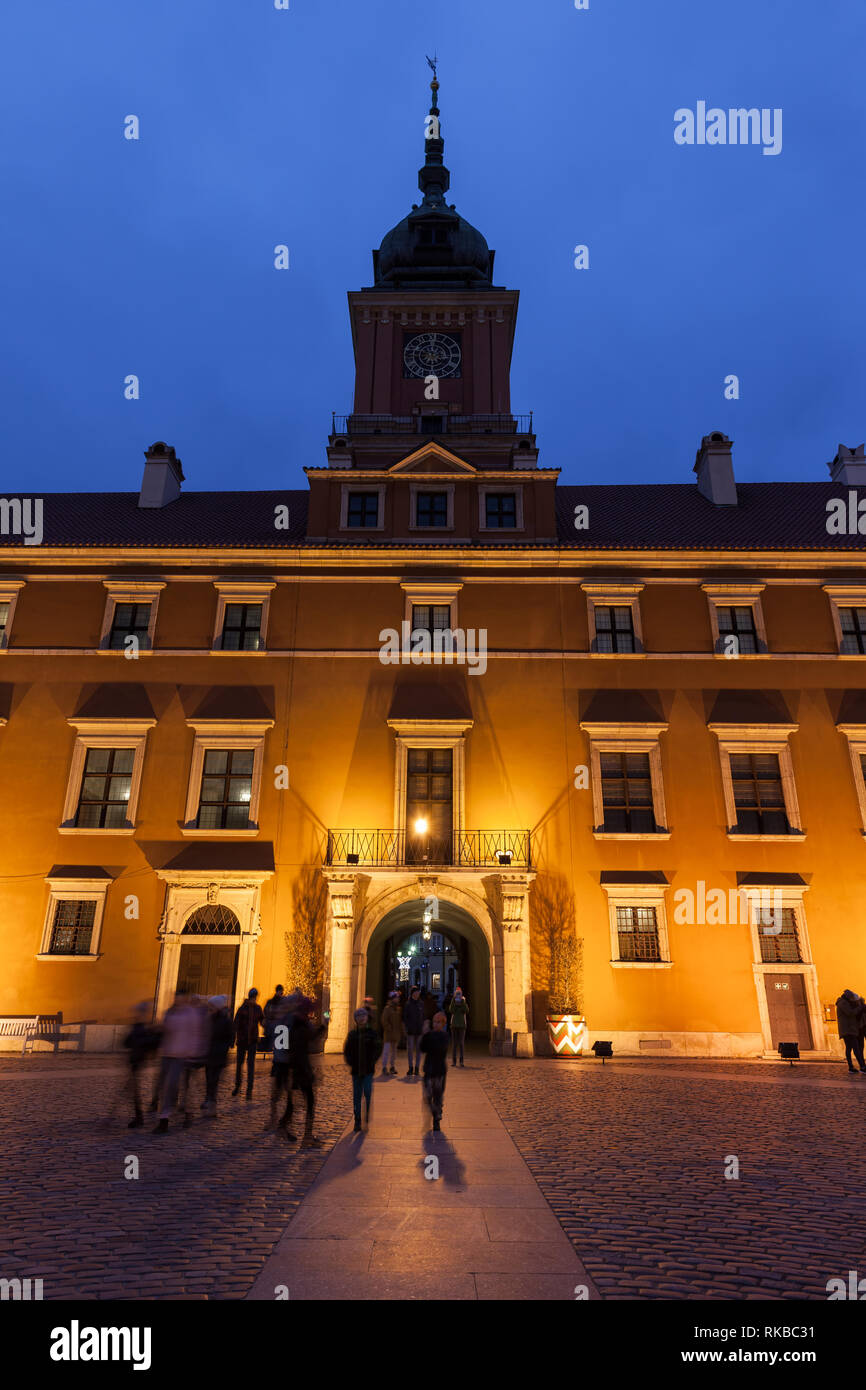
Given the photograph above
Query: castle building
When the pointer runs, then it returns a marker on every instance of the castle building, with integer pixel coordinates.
(438, 689)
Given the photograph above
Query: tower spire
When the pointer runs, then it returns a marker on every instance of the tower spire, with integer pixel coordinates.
(434, 179)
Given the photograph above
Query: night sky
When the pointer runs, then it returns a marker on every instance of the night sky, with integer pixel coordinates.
(306, 126)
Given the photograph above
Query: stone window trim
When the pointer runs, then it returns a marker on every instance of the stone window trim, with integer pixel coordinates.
(104, 733)
(615, 594)
(856, 738)
(430, 733)
(231, 592)
(840, 596)
(627, 738)
(638, 895)
(430, 592)
(74, 890)
(759, 738)
(240, 735)
(737, 596)
(414, 489)
(9, 591)
(483, 490)
(791, 896)
(346, 490)
(129, 591)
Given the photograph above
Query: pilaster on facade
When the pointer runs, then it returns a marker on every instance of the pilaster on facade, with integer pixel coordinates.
(341, 886)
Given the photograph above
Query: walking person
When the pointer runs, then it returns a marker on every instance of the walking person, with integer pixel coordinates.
(413, 1023)
(850, 1010)
(280, 1070)
(392, 1032)
(459, 1024)
(361, 1052)
(271, 1009)
(219, 1042)
(372, 1010)
(430, 1006)
(181, 1040)
(302, 1033)
(245, 1032)
(142, 1040)
(434, 1045)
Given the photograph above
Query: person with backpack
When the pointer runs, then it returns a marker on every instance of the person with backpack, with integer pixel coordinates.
(361, 1052)
(459, 1024)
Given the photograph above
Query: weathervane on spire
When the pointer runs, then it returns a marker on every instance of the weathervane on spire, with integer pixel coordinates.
(433, 64)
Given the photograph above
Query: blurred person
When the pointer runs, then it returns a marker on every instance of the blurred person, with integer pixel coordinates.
(431, 1007)
(219, 1042)
(361, 1052)
(372, 1010)
(392, 1032)
(280, 1069)
(245, 1033)
(181, 1039)
(434, 1045)
(271, 1009)
(142, 1040)
(459, 1024)
(302, 1034)
(413, 1023)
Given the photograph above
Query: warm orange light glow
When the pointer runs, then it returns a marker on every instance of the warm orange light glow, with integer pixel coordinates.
(420, 826)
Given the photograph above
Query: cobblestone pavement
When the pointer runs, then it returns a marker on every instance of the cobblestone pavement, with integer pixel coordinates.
(631, 1158)
(200, 1220)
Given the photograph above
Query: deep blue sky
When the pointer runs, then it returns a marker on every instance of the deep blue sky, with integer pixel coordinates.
(306, 127)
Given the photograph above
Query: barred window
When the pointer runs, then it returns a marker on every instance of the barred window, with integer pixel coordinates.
(226, 789)
(638, 932)
(72, 927)
(129, 620)
(781, 947)
(500, 510)
(106, 783)
(614, 629)
(626, 790)
(853, 624)
(431, 509)
(738, 622)
(363, 509)
(758, 794)
(242, 627)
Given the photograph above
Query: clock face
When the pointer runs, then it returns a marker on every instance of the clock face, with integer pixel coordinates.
(431, 354)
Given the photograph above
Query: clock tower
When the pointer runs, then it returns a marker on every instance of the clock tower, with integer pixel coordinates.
(432, 339)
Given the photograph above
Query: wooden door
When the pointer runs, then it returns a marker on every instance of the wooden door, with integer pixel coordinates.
(788, 1010)
(207, 970)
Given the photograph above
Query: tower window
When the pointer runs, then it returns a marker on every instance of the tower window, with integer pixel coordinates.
(431, 509)
(363, 509)
(501, 510)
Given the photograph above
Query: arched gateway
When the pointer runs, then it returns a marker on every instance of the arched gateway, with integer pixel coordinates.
(486, 912)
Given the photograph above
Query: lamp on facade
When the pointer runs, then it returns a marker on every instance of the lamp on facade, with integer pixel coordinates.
(602, 1050)
(504, 857)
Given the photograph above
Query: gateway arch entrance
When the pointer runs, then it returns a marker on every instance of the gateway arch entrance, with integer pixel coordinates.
(449, 950)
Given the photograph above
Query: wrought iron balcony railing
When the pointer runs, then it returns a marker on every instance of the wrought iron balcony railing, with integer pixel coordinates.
(462, 849)
(426, 424)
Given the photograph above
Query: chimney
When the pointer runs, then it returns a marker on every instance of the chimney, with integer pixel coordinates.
(162, 478)
(849, 465)
(715, 469)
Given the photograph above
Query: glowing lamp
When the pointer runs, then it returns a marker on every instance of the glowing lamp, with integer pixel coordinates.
(421, 826)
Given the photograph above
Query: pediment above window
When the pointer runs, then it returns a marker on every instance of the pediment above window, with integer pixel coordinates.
(432, 459)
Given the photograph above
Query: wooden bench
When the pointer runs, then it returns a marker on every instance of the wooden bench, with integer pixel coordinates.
(31, 1028)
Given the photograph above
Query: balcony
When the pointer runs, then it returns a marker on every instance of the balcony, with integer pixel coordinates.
(354, 425)
(398, 849)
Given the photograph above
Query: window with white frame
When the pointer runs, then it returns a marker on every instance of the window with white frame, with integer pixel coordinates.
(430, 607)
(129, 621)
(9, 591)
(848, 611)
(638, 925)
(613, 610)
(758, 781)
(226, 778)
(856, 737)
(242, 617)
(627, 786)
(737, 619)
(105, 776)
(73, 921)
(362, 507)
